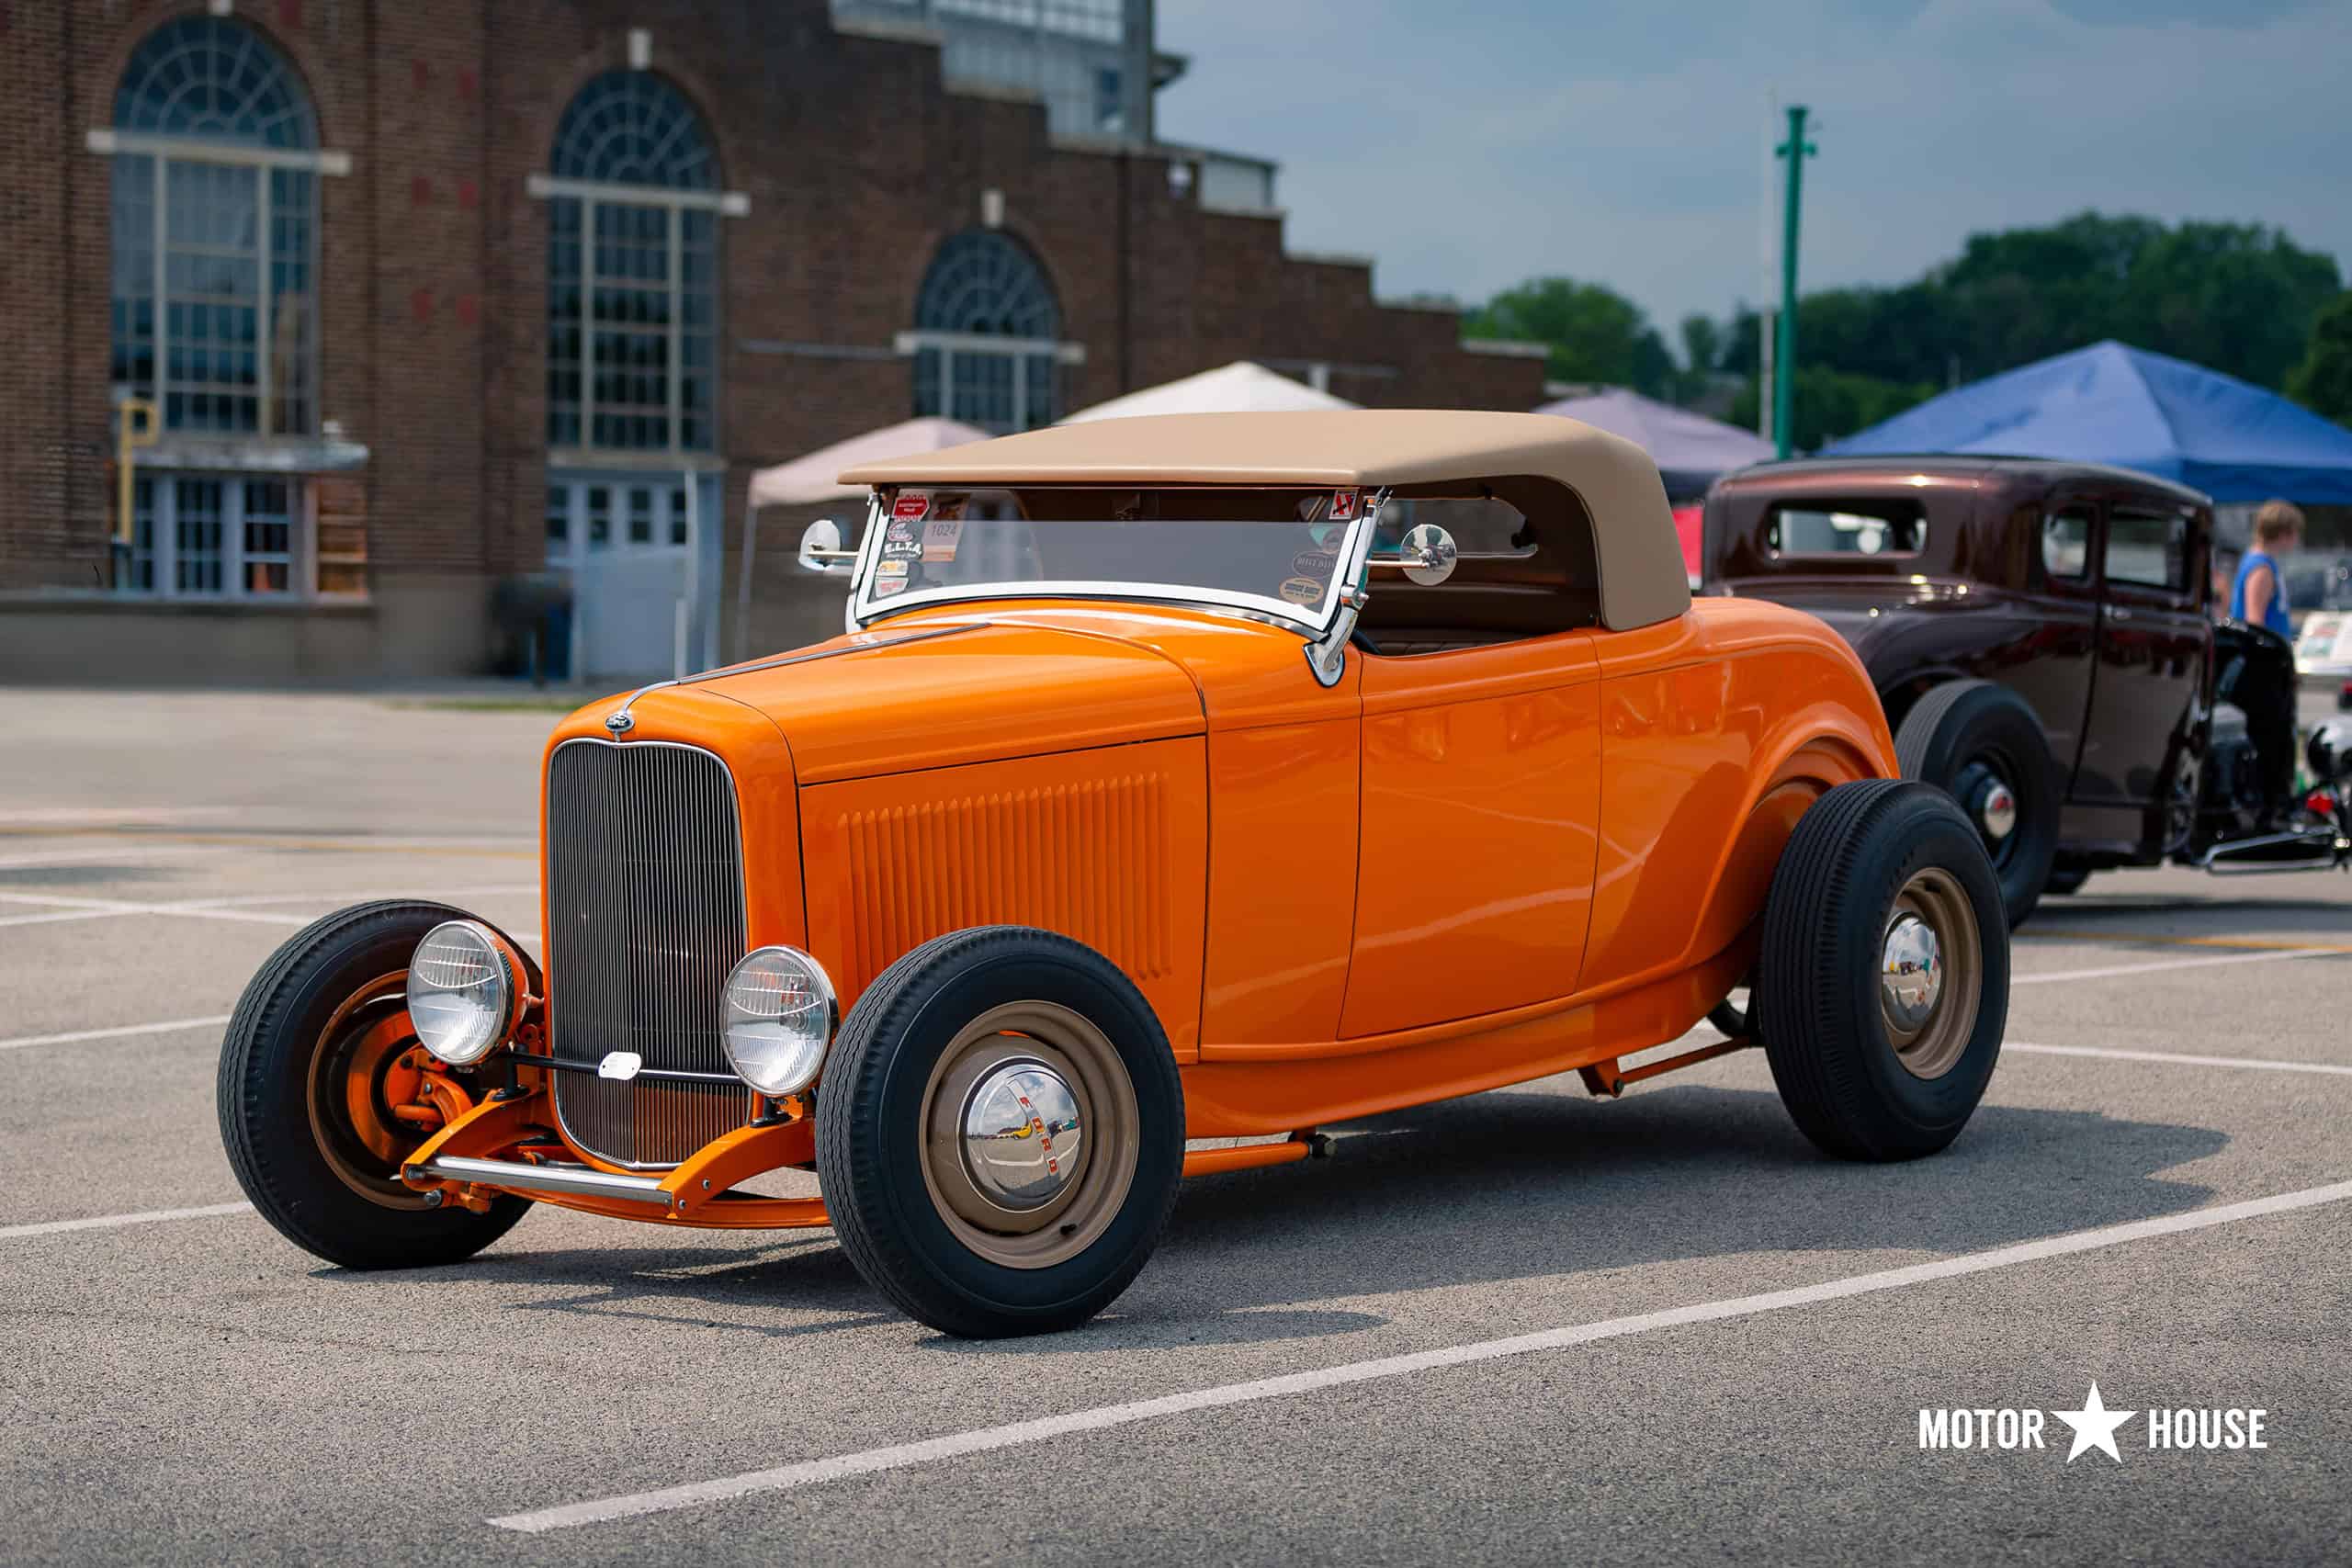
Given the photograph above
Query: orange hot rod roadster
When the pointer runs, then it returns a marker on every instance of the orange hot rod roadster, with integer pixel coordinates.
(1183, 778)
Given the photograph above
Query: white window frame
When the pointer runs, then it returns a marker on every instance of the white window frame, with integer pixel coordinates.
(302, 565)
(591, 195)
(1020, 350)
(166, 151)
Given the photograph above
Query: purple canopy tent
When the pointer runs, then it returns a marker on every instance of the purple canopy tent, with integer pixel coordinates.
(1690, 449)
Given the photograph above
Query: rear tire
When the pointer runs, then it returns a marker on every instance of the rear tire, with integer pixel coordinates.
(911, 1073)
(1973, 740)
(1861, 1082)
(301, 1100)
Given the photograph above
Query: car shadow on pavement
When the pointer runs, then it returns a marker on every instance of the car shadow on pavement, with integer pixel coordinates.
(1498, 1187)
(1521, 1185)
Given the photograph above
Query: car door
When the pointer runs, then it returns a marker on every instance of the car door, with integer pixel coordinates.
(1481, 803)
(2055, 677)
(2154, 646)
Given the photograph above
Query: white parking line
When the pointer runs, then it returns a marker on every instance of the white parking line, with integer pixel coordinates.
(902, 1456)
(111, 1222)
(2268, 955)
(73, 1036)
(106, 856)
(438, 895)
(62, 907)
(2177, 1058)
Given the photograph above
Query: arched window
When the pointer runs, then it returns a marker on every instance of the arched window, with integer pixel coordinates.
(214, 242)
(987, 335)
(632, 274)
(215, 232)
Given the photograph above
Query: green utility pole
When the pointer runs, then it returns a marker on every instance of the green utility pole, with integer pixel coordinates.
(1796, 150)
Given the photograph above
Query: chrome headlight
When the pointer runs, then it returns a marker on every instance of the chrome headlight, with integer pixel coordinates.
(780, 1014)
(460, 991)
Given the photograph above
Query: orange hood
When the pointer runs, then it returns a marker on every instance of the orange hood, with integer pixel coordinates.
(913, 694)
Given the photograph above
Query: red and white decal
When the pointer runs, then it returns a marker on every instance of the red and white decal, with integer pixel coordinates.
(1343, 505)
(912, 505)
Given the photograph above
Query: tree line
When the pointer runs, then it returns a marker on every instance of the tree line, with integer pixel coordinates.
(2238, 298)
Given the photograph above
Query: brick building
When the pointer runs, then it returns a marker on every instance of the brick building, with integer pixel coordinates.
(425, 295)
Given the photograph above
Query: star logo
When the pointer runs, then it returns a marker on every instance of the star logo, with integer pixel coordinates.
(2094, 1426)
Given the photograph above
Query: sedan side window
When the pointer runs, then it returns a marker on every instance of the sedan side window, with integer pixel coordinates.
(2149, 549)
(2066, 543)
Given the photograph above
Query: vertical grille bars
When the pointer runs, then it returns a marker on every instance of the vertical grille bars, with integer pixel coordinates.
(645, 918)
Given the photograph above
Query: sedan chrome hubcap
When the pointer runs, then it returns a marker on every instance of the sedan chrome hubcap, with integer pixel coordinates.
(1911, 972)
(1996, 810)
(1023, 1130)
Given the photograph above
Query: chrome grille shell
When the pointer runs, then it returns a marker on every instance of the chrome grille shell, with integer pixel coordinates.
(645, 916)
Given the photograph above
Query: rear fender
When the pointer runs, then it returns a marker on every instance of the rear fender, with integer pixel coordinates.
(1806, 770)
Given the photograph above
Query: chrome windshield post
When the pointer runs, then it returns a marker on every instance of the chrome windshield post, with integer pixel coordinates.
(867, 543)
(1327, 655)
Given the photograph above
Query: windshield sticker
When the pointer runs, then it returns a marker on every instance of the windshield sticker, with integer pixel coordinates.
(940, 537)
(1313, 563)
(901, 549)
(886, 586)
(1302, 590)
(913, 506)
(1343, 505)
(891, 569)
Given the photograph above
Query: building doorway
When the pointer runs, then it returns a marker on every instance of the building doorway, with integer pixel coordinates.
(629, 543)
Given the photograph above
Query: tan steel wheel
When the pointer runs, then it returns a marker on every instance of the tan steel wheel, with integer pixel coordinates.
(357, 1072)
(1932, 973)
(1030, 1134)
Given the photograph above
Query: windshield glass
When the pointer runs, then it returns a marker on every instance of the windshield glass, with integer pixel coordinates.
(1273, 550)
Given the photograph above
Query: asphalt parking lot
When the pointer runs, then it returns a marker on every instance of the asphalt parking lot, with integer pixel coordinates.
(1528, 1327)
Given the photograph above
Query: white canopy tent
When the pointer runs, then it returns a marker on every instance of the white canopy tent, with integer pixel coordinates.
(807, 481)
(815, 478)
(1242, 387)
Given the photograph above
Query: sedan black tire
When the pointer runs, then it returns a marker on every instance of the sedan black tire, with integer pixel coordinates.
(1877, 1055)
(313, 1148)
(1965, 737)
(915, 1058)
(2065, 879)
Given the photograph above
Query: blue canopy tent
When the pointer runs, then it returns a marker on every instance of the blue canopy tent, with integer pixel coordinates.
(2112, 403)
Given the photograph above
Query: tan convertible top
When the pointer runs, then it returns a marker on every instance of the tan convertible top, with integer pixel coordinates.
(1640, 562)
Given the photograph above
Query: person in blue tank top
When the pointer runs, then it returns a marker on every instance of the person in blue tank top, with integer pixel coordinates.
(2259, 596)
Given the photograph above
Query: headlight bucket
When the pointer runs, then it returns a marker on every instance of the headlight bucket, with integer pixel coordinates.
(780, 1011)
(464, 998)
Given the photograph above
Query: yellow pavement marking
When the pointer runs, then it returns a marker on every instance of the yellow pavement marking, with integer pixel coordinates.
(2235, 943)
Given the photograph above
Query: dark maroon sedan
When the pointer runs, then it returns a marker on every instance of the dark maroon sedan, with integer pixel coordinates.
(2041, 635)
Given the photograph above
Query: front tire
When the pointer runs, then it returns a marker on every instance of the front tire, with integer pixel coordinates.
(1884, 982)
(1980, 744)
(308, 1070)
(1000, 1133)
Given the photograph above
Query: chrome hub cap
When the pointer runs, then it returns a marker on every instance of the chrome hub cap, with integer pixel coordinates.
(1031, 1135)
(1997, 811)
(1931, 973)
(1023, 1130)
(1911, 972)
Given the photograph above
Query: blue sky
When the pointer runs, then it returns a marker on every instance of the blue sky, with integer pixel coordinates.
(1466, 144)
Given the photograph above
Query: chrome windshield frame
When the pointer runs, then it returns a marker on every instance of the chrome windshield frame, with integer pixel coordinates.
(861, 611)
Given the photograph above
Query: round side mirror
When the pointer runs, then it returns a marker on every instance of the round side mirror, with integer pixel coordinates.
(820, 548)
(1427, 555)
